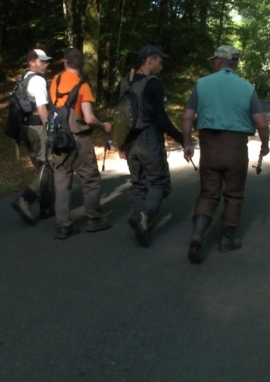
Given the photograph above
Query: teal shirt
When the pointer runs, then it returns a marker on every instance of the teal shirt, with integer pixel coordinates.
(224, 102)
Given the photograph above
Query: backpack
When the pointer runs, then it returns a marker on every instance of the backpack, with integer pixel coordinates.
(60, 138)
(128, 112)
(20, 106)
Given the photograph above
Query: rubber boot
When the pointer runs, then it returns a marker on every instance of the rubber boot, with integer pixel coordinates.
(227, 242)
(140, 225)
(46, 210)
(201, 222)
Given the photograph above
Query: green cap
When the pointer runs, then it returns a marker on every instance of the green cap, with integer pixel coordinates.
(226, 51)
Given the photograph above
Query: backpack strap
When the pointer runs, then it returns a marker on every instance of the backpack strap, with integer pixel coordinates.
(131, 78)
(72, 94)
(28, 78)
(57, 93)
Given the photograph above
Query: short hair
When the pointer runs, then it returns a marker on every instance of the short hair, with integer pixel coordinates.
(231, 63)
(142, 61)
(74, 58)
(36, 54)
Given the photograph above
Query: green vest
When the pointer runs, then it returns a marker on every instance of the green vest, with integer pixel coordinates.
(224, 102)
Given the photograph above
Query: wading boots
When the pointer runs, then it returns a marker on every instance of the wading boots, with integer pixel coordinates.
(201, 222)
(227, 242)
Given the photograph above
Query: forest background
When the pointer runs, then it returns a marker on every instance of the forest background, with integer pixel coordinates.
(110, 33)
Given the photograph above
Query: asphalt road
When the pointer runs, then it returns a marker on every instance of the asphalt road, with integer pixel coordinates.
(99, 308)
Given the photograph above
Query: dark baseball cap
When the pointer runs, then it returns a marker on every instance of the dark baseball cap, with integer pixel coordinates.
(151, 50)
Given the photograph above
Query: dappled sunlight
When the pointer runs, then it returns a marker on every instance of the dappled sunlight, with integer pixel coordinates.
(4, 101)
(176, 107)
(116, 192)
(112, 154)
(163, 221)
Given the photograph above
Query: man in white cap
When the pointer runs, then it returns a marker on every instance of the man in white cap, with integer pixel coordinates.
(33, 133)
(228, 111)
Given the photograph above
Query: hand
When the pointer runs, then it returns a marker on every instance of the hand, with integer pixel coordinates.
(122, 154)
(264, 150)
(188, 152)
(107, 127)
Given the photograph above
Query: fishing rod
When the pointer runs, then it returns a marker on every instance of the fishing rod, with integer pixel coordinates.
(259, 165)
(195, 168)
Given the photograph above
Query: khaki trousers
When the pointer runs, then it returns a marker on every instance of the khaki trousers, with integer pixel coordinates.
(35, 139)
(83, 162)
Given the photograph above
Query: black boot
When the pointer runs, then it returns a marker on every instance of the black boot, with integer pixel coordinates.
(227, 242)
(46, 210)
(201, 222)
(22, 205)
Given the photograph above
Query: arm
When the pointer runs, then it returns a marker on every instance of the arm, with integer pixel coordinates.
(43, 113)
(263, 131)
(37, 88)
(91, 120)
(154, 92)
(260, 121)
(187, 123)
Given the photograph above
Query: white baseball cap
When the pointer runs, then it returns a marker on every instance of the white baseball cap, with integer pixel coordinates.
(37, 54)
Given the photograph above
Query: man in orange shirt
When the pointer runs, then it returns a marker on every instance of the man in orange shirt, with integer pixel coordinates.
(83, 158)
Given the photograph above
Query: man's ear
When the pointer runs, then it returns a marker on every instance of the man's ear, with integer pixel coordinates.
(219, 62)
(149, 60)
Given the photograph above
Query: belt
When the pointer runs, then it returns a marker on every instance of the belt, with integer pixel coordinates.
(32, 119)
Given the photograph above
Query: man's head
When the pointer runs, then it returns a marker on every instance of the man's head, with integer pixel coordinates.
(38, 61)
(150, 59)
(225, 55)
(73, 59)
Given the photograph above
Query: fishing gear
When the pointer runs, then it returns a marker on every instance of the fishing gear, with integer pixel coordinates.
(195, 168)
(46, 183)
(259, 165)
(108, 145)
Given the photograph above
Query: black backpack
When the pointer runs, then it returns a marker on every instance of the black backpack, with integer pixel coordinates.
(128, 112)
(60, 138)
(20, 107)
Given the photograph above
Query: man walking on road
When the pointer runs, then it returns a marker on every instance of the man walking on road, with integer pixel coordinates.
(83, 158)
(228, 111)
(34, 135)
(145, 148)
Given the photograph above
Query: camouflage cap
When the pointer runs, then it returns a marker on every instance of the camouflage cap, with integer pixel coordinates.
(226, 51)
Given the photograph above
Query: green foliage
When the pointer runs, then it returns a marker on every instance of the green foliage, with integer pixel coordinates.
(188, 30)
(254, 39)
(112, 32)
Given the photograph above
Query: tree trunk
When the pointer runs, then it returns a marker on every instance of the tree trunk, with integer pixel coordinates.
(163, 17)
(68, 14)
(91, 29)
(220, 29)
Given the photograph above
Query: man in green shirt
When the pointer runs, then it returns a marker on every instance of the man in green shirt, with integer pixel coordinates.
(228, 111)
